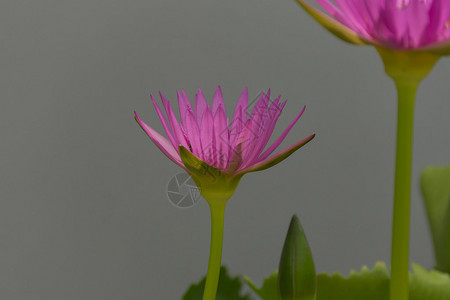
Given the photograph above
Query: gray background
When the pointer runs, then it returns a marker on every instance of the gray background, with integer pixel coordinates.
(83, 210)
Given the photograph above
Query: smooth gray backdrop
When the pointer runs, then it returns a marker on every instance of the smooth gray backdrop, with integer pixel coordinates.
(83, 206)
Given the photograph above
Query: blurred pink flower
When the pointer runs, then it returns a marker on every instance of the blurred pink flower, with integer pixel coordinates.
(422, 25)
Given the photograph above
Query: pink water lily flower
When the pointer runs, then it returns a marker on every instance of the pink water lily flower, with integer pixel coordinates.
(214, 150)
(422, 25)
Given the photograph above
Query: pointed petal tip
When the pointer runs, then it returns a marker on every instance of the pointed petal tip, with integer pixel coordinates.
(218, 90)
(303, 110)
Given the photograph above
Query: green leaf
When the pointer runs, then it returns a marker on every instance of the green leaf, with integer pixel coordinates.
(435, 183)
(374, 285)
(230, 288)
(269, 289)
(426, 285)
(368, 285)
(297, 275)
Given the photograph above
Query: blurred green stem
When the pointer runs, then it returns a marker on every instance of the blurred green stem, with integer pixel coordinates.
(402, 191)
(215, 255)
(407, 69)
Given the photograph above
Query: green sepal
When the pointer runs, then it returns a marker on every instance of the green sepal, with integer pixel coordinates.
(407, 66)
(229, 288)
(213, 184)
(269, 289)
(442, 48)
(277, 158)
(336, 28)
(435, 184)
(297, 275)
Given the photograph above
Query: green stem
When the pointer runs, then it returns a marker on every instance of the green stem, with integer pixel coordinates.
(215, 254)
(402, 194)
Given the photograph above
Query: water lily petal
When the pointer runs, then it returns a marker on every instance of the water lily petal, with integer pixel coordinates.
(222, 137)
(184, 106)
(239, 117)
(237, 151)
(217, 100)
(164, 123)
(272, 148)
(200, 105)
(207, 137)
(161, 142)
(277, 158)
(333, 26)
(177, 130)
(193, 133)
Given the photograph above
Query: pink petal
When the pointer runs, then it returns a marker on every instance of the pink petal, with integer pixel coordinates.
(417, 16)
(217, 100)
(237, 152)
(184, 106)
(164, 123)
(177, 130)
(236, 125)
(200, 105)
(207, 138)
(260, 107)
(436, 16)
(330, 9)
(243, 102)
(260, 117)
(274, 113)
(161, 142)
(222, 139)
(193, 133)
(239, 117)
(396, 22)
(272, 148)
(352, 16)
(277, 158)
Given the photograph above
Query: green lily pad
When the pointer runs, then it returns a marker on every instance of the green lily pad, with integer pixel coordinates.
(374, 285)
(230, 288)
(269, 289)
(432, 285)
(367, 284)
